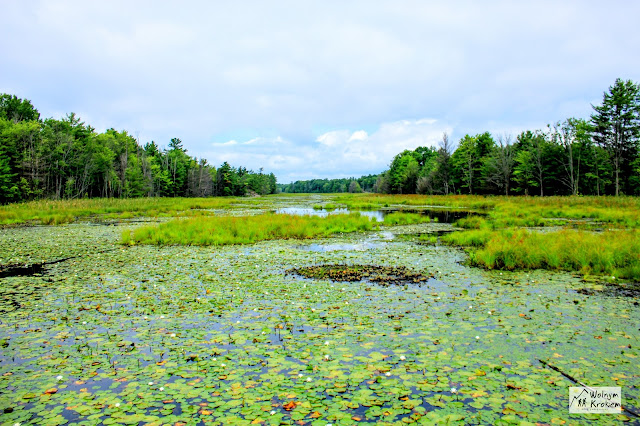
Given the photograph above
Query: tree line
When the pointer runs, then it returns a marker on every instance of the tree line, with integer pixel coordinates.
(328, 186)
(68, 159)
(595, 156)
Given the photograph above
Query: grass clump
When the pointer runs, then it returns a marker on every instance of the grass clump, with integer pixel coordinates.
(470, 238)
(216, 231)
(615, 253)
(401, 218)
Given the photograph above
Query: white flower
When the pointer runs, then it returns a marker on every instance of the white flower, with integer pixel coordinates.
(402, 357)
(173, 334)
(272, 412)
(59, 378)
(454, 390)
(223, 365)
(16, 424)
(326, 357)
(387, 374)
(150, 383)
(477, 337)
(84, 322)
(470, 307)
(214, 358)
(300, 375)
(117, 404)
(346, 303)
(161, 388)
(308, 379)
(326, 342)
(161, 316)
(489, 312)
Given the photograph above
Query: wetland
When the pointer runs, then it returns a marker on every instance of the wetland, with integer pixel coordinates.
(389, 318)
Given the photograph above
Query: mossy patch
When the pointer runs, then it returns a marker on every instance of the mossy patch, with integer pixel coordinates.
(384, 275)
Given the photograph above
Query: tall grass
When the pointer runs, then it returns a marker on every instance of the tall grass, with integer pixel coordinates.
(206, 231)
(402, 218)
(50, 212)
(615, 253)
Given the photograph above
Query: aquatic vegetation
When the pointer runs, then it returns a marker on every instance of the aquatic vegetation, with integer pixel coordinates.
(56, 212)
(224, 230)
(402, 218)
(191, 334)
(385, 275)
(615, 253)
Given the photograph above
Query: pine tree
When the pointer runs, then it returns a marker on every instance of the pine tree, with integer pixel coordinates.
(616, 126)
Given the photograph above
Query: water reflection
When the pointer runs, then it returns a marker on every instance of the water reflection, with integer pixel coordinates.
(377, 215)
(443, 215)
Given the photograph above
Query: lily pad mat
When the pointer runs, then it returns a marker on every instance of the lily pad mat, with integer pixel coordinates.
(148, 335)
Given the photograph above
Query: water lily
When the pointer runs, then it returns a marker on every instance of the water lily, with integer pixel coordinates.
(117, 404)
(150, 383)
(173, 334)
(402, 357)
(477, 337)
(223, 365)
(489, 312)
(161, 389)
(470, 307)
(59, 378)
(326, 357)
(300, 375)
(387, 374)
(454, 390)
(308, 379)
(272, 412)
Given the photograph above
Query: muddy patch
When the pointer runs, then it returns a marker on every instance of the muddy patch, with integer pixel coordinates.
(383, 275)
(613, 290)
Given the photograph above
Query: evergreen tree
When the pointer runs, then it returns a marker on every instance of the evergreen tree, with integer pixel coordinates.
(616, 128)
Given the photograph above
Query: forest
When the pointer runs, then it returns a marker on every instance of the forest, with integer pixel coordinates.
(595, 156)
(67, 159)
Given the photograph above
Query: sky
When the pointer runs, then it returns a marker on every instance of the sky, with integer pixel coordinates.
(316, 89)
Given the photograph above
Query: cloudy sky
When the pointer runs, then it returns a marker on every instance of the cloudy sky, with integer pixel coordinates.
(315, 89)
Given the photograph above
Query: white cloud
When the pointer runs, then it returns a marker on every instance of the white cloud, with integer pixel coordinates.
(219, 71)
(337, 153)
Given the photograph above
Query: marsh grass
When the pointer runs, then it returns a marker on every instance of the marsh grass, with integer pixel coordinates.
(49, 212)
(402, 218)
(216, 231)
(615, 253)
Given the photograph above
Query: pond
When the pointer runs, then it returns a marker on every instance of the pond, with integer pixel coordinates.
(442, 215)
(224, 335)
